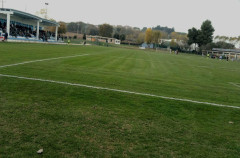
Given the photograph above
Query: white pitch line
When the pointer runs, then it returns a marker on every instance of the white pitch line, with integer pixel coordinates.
(235, 84)
(121, 91)
(34, 61)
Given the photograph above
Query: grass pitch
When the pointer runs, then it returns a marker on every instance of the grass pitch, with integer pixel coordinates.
(69, 121)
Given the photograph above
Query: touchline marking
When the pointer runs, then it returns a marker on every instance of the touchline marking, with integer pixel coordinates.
(121, 91)
(34, 61)
(235, 84)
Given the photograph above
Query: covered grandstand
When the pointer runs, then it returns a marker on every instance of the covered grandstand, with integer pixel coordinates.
(22, 26)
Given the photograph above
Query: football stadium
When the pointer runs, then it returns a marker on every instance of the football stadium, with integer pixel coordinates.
(62, 96)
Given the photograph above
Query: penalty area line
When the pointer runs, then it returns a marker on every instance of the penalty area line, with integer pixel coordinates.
(121, 91)
(40, 60)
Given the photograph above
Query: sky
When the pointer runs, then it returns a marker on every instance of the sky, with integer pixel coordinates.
(180, 14)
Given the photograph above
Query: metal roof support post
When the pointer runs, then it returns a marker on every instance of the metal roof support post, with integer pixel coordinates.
(8, 23)
(8, 13)
(38, 25)
(37, 36)
(56, 34)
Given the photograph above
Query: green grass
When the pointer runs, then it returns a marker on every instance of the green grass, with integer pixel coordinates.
(81, 41)
(68, 121)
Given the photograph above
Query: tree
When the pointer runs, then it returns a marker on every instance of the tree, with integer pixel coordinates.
(193, 35)
(141, 38)
(206, 33)
(105, 30)
(84, 36)
(222, 38)
(91, 29)
(183, 38)
(72, 27)
(126, 33)
(116, 35)
(122, 37)
(217, 37)
(164, 35)
(165, 44)
(63, 28)
(201, 37)
(144, 29)
(165, 29)
(174, 35)
(137, 28)
(118, 29)
(79, 27)
(156, 37)
(132, 34)
(221, 44)
(173, 45)
(224, 45)
(148, 36)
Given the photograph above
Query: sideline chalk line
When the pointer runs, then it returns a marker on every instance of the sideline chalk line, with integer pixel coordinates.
(121, 91)
(33, 61)
(235, 84)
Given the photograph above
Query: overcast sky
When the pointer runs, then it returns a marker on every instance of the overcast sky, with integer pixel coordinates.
(180, 14)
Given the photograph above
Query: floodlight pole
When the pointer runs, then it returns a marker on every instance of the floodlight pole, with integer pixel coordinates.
(46, 10)
(3, 3)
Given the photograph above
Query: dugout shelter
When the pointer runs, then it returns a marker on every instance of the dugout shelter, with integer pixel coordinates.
(231, 54)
